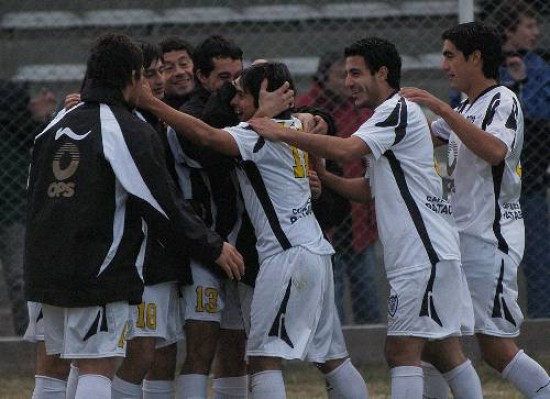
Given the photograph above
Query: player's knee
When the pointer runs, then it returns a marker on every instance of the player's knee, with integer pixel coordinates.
(497, 352)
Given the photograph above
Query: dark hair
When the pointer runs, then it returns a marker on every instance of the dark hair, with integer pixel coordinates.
(112, 60)
(175, 43)
(214, 47)
(508, 14)
(326, 62)
(378, 53)
(151, 52)
(276, 74)
(472, 36)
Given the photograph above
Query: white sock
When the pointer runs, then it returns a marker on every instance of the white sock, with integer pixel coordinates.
(191, 386)
(435, 386)
(346, 382)
(158, 389)
(48, 388)
(464, 381)
(268, 385)
(230, 387)
(121, 389)
(528, 376)
(93, 386)
(72, 381)
(407, 382)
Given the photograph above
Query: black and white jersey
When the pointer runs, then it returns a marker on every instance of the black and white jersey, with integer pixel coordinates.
(274, 180)
(414, 221)
(485, 198)
(83, 235)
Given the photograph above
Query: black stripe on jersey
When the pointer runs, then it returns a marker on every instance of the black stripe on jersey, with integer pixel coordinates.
(397, 118)
(258, 185)
(498, 173)
(499, 304)
(278, 329)
(259, 144)
(411, 206)
(491, 111)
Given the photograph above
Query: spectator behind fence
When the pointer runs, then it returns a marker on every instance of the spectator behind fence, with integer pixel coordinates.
(354, 239)
(20, 118)
(528, 75)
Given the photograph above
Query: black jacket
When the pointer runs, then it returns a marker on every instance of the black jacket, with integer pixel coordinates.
(83, 234)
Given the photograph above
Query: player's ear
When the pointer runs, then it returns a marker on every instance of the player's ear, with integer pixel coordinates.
(201, 76)
(382, 73)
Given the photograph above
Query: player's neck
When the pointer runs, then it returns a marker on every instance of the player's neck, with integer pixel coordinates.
(478, 86)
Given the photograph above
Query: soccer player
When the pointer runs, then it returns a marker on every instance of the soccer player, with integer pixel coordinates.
(84, 235)
(213, 320)
(485, 138)
(293, 314)
(155, 325)
(429, 296)
(178, 68)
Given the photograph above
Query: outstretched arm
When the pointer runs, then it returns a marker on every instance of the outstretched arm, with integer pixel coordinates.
(191, 128)
(486, 146)
(356, 189)
(329, 147)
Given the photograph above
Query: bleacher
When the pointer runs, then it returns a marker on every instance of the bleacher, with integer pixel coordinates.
(45, 43)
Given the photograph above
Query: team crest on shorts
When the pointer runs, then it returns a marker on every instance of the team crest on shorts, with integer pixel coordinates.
(393, 302)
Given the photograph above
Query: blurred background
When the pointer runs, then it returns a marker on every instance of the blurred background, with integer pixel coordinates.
(44, 44)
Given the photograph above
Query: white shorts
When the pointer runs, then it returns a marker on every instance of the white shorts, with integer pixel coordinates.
(35, 329)
(212, 298)
(492, 278)
(293, 314)
(86, 333)
(432, 302)
(158, 315)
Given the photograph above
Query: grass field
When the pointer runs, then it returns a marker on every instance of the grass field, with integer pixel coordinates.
(303, 382)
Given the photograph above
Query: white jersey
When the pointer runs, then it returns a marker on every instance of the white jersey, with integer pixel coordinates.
(274, 180)
(415, 223)
(485, 198)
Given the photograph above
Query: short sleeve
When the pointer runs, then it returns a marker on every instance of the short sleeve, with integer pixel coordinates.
(502, 119)
(441, 129)
(385, 128)
(247, 140)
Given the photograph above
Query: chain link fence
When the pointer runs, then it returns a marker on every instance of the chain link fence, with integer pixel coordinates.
(44, 45)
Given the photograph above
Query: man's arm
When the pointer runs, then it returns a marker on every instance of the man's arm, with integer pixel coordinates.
(328, 147)
(191, 128)
(356, 189)
(486, 146)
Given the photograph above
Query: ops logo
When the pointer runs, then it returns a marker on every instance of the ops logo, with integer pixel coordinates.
(64, 165)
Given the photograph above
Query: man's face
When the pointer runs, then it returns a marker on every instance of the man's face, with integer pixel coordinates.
(458, 69)
(178, 68)
(336, 80)
(225, 70)
(154, 74)
(365, 88)
(525, 36)
(243, 102)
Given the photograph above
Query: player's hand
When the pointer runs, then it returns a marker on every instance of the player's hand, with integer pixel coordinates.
(231, 261)
(307, 120)
(267, 128)
(320, 126)
(315, 185)
(420, 96)
(146, 96)
(71, 100)
(272, 103)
